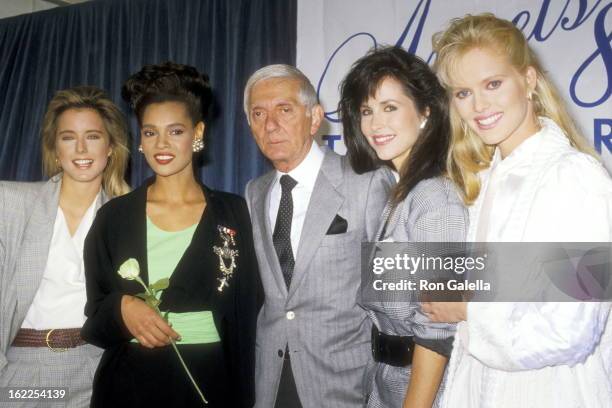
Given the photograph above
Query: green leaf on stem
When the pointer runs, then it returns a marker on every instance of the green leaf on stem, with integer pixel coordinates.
(160, 284)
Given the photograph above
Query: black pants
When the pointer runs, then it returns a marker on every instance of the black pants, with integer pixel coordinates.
(287, 395)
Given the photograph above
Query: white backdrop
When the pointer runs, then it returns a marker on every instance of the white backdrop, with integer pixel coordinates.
(572, 38)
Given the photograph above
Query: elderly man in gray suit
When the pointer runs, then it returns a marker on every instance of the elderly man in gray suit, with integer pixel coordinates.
(309, 218)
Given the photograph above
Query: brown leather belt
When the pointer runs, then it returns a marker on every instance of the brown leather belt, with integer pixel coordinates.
(54, 339)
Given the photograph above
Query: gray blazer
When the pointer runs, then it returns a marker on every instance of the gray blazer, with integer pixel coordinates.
(432, 212)
(27, 216)
(329, 336)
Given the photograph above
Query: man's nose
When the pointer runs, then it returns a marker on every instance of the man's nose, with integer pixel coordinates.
(271, 123)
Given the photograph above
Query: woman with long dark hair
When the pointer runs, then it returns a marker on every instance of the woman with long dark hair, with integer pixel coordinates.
(174, 228)
(395, 114)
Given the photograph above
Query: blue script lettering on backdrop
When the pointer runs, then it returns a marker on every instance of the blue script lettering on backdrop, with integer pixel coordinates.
(602, 51)
(602, 138)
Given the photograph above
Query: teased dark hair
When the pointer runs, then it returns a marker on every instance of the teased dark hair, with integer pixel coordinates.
(428, 155)
(169, 82)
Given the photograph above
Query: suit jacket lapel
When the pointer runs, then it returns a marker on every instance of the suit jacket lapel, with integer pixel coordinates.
(388, 221)
(137, 231)
(35, 249)
(261, 211)
(132, 236)
(324, 204)
(184, 276)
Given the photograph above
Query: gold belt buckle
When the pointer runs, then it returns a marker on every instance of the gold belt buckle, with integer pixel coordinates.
(53, 349)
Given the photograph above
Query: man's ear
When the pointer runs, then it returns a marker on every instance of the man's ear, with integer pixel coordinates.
(316, 114)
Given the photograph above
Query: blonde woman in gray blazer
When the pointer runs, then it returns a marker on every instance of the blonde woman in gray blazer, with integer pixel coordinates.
(42, 229)
(395, 114)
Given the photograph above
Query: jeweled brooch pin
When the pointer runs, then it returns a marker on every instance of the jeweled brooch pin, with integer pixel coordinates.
(227, 255)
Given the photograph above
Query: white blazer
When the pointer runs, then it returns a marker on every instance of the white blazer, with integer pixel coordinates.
(538, 354)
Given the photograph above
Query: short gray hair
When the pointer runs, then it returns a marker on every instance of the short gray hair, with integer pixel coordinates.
(307, 94)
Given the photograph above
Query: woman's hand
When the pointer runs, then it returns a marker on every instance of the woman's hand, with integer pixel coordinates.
(445, 312)
(145, 324)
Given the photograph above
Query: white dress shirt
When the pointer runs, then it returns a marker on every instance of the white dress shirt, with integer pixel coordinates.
(59, 302)
(306, 175)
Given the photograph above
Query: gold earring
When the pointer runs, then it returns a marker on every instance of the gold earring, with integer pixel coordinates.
(529, 96)
(198, 145)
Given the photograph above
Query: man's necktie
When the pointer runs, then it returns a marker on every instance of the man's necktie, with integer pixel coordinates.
(282, 230)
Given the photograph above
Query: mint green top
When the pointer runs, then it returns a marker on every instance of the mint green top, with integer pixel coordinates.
(164, 251)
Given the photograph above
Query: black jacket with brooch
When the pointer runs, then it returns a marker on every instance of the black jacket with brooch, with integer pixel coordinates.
(119, 233)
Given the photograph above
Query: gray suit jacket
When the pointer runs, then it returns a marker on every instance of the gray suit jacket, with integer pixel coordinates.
(329, 336)
(27, 216)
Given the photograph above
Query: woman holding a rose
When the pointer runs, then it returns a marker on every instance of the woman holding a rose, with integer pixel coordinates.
(172, 228)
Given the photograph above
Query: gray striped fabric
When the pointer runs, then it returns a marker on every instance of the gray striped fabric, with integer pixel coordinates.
(27, 216)
(40, 367)
(328, 333)
(432, 212)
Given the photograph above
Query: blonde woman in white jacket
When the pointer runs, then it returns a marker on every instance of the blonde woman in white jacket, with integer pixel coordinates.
(532, 179)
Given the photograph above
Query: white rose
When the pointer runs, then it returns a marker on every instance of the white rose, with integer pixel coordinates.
(130, 269)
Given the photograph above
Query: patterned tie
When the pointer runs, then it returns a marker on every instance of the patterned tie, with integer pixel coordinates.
(282, 230)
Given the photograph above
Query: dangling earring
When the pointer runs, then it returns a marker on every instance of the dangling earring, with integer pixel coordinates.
(140, 149)
(464, 127)
(423, 123)
(198, 145)
(529, 95)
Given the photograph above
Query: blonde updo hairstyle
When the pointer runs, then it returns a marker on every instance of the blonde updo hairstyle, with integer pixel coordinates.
(89, 97)
(468, 154)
